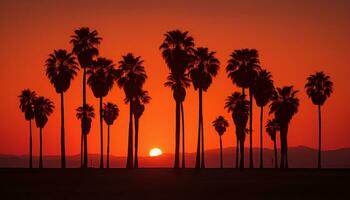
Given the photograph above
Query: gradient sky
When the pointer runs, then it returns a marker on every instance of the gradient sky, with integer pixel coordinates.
(294, 38)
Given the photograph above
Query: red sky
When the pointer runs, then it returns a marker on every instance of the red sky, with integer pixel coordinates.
(294, 38)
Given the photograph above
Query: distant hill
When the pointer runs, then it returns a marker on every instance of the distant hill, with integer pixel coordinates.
(299, 157)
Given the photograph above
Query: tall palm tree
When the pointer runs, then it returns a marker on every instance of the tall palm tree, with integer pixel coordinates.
(242, 69)
(133, 76)
(26, 99)
(110, 113)
(101, 80)
(177, 48)
(220, 124)
(284, 106)
(61, 69)
(239, 107)
(271, 128)
(43, 108)
(141, 99)
(319, 87)
(263, 90)
(89, 115)
(85, 46)
(202, 70)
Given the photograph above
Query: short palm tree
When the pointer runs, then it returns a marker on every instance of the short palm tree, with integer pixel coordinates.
(133, 76)
(177, 48)
(85, 46)
(242, 69)
(89, 115)
(43, 108)
(26, 99)
(271, 128)
(202, 70)
(220, 124)
(101, 79)
(319, 87)
(141, 99)
(284, 106)
(110, 114)
(61, 69)
(263, 90)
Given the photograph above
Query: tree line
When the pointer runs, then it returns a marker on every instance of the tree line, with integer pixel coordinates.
(187, 65)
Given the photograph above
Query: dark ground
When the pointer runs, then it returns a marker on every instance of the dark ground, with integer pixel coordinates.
(169, 184)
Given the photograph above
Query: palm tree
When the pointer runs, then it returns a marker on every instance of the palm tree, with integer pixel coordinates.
(202, 71)
(85, 47)
(239, 107)
(133, 76)
(139, 107)
(220, 124)
(110, 113)
(284, 106)
(319, 87)
(43, 108)
(177, 49)
(271, 128)
(101, 80)
(61, 69)
(89, 115)
(263, 90)
(26, 99)
(243, 69)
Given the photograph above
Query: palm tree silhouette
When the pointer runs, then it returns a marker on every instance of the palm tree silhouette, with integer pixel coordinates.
(85, 47)
(101, 80)
(284, 106)
(202, 70)
(110, 113)
(141, 99)
(239, 107)
(133, 76)
(26, 99)
(89, 115)
(177, 49)
(319, 87)
(43, 108)
(243, 69)
(263, 90)
(271, 128)
(61, 69)
(220, 124)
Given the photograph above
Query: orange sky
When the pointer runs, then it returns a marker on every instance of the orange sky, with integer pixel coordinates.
(294, 38)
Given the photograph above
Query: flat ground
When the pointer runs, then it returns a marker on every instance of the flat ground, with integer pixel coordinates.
(169, 184)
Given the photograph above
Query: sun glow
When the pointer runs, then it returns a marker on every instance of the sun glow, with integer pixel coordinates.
(155, 152)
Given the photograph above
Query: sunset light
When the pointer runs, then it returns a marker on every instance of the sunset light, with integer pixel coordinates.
(155, 152)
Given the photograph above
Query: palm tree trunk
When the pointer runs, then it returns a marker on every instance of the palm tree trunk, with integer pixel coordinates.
(237, 151)
(30, 145)
(85, 151)
(283, 133)
(201, 124)
(221, 161)
(183, 136)
(136, 165)
(275, 150)
(108, 147)
(85, 161)
(241, 146)
(177, 137)
(130, 159)
(319, 137)
(41, 149)
(101, 134)
(82, 151)
(251, 165)
(198, 160)
(286, 151)
(63, 150)
(261, 137)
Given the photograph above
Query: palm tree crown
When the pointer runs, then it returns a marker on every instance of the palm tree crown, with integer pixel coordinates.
(239, 106)
(263, 88)
(271, 128)
(43, 108)
(319, 87)
(89, 115)
(220, 124)
(110, 112)
(26, 100)
(61, 69)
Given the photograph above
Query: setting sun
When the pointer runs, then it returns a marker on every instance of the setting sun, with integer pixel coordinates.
(155, 152)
